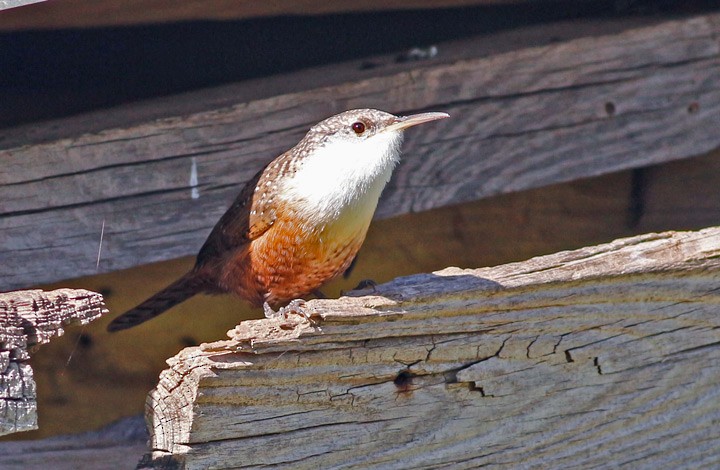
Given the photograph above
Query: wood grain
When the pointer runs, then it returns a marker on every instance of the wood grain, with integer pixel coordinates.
(528, 109)
(582, 358)
(29, 319)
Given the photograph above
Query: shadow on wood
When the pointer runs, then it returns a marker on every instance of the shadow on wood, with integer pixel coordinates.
(117, 445)
(585, 357)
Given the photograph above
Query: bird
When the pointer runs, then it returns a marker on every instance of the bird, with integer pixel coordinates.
(300, 221)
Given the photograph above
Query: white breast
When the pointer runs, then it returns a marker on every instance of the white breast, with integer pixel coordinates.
(343, 180)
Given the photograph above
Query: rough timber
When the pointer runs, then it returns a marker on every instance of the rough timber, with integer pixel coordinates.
(581, 358)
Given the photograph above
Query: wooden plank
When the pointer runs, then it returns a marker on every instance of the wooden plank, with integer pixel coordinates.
(578, 359)
(29, 319)
(94, 13)
(524, 115)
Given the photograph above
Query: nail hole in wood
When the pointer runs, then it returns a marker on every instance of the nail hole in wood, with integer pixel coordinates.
(610, 108)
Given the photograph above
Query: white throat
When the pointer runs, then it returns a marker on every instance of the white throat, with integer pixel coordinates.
(344, 178)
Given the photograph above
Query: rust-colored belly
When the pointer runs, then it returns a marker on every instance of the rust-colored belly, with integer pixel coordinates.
(290, 261)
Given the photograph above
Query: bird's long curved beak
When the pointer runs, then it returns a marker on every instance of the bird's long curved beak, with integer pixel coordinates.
(403, 122)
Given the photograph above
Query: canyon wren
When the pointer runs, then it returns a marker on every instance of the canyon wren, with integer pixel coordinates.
(300, 221)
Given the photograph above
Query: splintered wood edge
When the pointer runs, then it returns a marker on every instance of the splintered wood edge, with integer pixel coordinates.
(28, 319)
(41, 315)
(428, 294)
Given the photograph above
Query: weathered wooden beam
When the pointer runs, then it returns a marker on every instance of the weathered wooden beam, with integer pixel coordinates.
(529, 108)
(28, 319)
(581, 358)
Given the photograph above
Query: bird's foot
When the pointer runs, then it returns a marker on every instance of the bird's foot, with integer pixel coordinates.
(295, 307)
(269, 312)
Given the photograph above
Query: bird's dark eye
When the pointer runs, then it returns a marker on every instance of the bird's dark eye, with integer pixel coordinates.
(358, 127)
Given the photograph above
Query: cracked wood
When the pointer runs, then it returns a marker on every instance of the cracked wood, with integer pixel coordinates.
(27, 320)
(578, 359)
(529, 108)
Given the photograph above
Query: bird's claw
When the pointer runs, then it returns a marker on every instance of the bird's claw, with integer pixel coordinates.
(295, 307)
(269, 312)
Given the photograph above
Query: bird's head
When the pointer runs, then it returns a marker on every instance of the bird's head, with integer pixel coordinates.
(349, 157)
(366, 127)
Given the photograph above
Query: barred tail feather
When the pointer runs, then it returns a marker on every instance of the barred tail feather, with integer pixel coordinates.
(177, 292)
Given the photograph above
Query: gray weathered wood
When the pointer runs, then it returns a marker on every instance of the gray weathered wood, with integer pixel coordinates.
(28, 319)
(598, 357)
(528, 108)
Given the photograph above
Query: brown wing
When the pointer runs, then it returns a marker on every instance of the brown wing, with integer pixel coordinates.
(249, 216)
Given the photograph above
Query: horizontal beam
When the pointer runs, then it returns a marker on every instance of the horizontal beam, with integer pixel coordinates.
(577, 359)
(528, 108)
